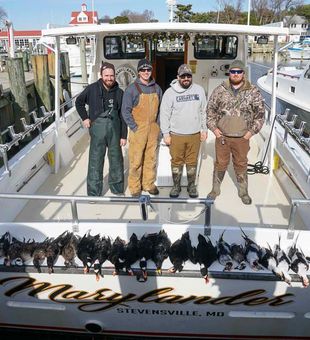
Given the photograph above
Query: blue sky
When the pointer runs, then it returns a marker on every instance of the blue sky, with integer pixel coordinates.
(35, 14)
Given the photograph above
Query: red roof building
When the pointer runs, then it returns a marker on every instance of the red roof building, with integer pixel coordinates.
(84, 17)
(23, 39)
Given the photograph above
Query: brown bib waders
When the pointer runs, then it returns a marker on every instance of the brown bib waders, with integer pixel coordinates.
(143, 143)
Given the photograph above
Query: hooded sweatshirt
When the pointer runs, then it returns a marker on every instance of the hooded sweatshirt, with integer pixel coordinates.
(183, 111)
(131, 99)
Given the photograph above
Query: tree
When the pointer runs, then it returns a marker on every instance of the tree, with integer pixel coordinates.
(302, 11)
(3, 16)
(120, 19)
(105, 20)
(183, 13)
(146, 16)
(204, 17)
(280, 8)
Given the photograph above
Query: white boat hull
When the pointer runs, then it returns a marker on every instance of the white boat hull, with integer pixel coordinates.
(234, 305)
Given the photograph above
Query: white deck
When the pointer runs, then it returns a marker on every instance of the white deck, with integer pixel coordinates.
(270, 207)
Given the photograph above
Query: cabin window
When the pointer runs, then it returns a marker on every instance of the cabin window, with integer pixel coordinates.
(215, 47)
(123, 47)
(307, 74)
(292, 89)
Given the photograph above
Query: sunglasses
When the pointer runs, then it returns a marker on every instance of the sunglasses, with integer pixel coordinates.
(145, 70)
(236, 71)
(188, 76)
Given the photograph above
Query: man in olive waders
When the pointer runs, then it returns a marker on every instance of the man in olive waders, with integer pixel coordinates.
(107, 130)
(140, 110)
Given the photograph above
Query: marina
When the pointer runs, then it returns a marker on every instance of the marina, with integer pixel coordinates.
(44, 197)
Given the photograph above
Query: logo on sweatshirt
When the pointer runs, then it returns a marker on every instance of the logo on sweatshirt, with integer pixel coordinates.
(188, 98)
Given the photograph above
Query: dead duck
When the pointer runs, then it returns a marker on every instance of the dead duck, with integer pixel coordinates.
(205, 255)
(161, 247)
(102, 252)
(86, 251)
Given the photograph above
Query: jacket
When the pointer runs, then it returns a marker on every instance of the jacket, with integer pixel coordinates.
(183, 111)
(99, 100)
(247, 103)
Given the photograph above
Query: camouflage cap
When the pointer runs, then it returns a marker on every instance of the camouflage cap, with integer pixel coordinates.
(184, 69)
(237, 64)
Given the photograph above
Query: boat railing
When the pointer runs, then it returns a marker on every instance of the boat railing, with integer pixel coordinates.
(17, 137)
(289, 124)
(144, 201)
(295, 203)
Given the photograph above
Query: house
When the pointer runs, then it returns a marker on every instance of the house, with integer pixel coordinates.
(297, 25)
(23, 39)
(83, 17)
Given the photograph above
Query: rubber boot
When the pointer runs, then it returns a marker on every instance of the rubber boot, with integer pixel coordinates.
(191, 179)
(176, 177)
(242, 180)
(216, 187)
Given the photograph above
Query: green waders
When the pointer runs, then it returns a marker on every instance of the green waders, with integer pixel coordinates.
(105, 134)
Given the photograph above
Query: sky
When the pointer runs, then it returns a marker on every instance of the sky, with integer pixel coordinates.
(36, 14)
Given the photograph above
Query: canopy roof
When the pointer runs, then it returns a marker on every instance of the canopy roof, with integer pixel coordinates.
(166, 27)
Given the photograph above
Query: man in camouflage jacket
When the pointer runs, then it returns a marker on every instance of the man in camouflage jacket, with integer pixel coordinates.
(235, 113)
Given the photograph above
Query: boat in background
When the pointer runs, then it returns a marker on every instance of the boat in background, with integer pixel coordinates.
(293, 120)
(300, 50)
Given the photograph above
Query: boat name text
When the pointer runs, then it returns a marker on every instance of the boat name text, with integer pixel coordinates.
(105, 299)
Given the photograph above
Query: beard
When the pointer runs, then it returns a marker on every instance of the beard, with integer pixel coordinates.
(186, 85)
(235, 81)
(108, 83)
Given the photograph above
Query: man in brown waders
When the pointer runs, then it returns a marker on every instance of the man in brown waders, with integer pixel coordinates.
(107, 130)
(140, 110)
(235, 113)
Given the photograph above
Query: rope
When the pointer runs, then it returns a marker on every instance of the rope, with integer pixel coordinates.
(259, 167)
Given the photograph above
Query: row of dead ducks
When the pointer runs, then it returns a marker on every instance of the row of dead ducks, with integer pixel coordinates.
(94, 250)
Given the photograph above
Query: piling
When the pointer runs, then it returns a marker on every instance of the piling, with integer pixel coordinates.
(83, 61)
(42, 80)
(19, 92)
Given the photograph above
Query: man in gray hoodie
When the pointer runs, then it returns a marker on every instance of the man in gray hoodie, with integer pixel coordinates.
(183, 124)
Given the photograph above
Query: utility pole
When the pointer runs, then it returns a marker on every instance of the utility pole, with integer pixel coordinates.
(249, 11)
(171, 4)
(9, 26)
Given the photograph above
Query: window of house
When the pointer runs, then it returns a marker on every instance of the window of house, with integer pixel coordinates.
(216, 47)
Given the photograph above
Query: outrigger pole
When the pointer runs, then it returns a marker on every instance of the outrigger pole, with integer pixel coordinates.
(273, 103)
(57, 102)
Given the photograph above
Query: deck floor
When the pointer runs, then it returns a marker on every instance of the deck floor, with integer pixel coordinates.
(270, 206)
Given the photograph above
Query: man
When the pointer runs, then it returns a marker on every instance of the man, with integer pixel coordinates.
(183, 124)
(235, 113)
(107, 130)
(140, 110)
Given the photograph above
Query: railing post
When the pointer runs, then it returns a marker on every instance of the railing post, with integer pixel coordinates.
(75, 219)
(207, 225)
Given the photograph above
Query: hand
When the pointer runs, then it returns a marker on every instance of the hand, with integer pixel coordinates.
(248, 135)
(167, 139)
(86, 123)
(218, 133)
(203, 135)
(123, 142)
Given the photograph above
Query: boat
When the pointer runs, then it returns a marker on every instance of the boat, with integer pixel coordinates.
(43, 198)
(300, 50)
